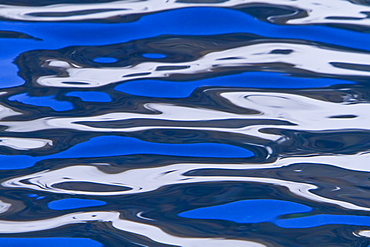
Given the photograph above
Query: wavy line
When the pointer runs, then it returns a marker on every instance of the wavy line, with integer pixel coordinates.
(317, 12)
(152, 232)
(149, 179)
(296, 112)
(270, 56)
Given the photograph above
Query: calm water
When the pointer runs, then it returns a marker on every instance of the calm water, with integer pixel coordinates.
(184, 123)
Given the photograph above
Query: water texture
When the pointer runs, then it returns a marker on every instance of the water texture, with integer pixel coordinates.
(184, 123)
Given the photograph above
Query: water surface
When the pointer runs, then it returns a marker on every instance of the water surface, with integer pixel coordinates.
(184, 123)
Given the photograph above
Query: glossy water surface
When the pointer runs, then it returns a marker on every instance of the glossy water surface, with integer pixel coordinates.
(184, 123)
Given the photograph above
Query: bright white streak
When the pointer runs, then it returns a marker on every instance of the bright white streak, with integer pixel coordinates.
(152, 232)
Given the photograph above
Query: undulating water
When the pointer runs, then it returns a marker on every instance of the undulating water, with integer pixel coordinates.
(185, 123)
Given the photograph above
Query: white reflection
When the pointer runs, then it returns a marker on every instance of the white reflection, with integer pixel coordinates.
(303, 113)
(304, 57)
(7, 112)
(149, 179)
(24, 143)
(363, 233)
(152, 232)
(318, 12)
(4, 206)
(307, 113)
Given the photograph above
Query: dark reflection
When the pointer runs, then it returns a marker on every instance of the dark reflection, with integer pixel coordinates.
(344, 116)
(359, 67)
(229, 123)
(16, 35)
(331, 142)
(70, 13)
(277, 14)
(88, 186)
(281, 51)
(332, 182)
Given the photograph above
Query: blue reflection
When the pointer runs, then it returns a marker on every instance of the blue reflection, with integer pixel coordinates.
(17, 161)
(105, 60)
(324, 219)
(72, 203)
(264, 210)
(44, 242)
(48, 101)
(116, 145)
(172, 89)
(154, 55)
(247, 211)
(8, 74)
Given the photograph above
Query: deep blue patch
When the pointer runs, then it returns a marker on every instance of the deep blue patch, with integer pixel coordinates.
(324, 219)
(47, 242)
(91, 96)
(72, 203)
(8, 74)
(247, 211)
(49, 101)
(177, 89)
(105, 60)
(154, 55)
(186, 21)
(116, 145)
(263, 210)
(8, 162)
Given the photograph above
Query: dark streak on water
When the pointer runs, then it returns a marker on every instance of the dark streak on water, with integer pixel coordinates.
(184, 123)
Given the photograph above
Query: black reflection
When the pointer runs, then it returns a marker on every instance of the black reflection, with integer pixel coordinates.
(70, 13)
(16, 35)
(89, 186)
(344, 116)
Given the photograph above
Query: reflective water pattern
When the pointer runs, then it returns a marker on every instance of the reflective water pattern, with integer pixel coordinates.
(185, 123)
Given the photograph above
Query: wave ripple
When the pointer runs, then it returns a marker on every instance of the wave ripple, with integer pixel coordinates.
(185, 123)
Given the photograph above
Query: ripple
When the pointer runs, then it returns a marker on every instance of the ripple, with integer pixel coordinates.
(152, 232)
(259, 57)
(150, 179)
(331, 12)
(185, 123)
